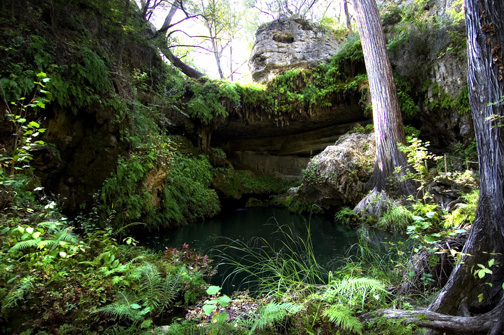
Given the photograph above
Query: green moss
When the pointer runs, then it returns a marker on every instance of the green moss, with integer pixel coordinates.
(236, 184)
(160, 187)
(297, 205)
(441, 100)
(212, 100)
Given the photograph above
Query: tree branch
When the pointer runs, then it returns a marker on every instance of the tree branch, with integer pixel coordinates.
(191, 36)
(186, 69)
(190, 46)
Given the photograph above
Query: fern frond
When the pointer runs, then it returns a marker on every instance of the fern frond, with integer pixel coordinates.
(152, 285)
(342, 317)
(23, 245)
(66, 235)
(352, 286)
(272, 313)
(186, 328)
(17, 293)
(124, 308)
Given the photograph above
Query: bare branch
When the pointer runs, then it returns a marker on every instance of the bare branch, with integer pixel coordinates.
(191, 36)
(265, 12)
(190, 46)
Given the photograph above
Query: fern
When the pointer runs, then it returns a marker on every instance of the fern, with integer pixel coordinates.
(156, 291)
(351, 286)
(350, 290)
(23, 245)
(342, 317)
(185, 328)
(66, 235)
(17, 294)
(270, 314)
(124, 308)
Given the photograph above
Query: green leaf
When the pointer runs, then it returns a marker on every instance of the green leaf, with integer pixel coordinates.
(224, 300)
(144, 311)
(417, 218)
(41, 74)
(136, 306)
(212, 290)
(146, 323)
(34, 124)
(430, 239)
(208, 309)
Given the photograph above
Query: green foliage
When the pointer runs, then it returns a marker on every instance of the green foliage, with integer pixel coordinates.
(395, 219)
(464, 213)
(15, 169)
(411, 132)
(343, 317)
(297, 205)
(187, 194)
(406, 102)
(212, 100)
(236, 183)
(272, 313)
(183, 180)
(368, 129)
(54, 274)
(150, 296)
(317, 301)
(441, 100)
(278, 268)
(384, 326)
(418, 157)
(346, 215)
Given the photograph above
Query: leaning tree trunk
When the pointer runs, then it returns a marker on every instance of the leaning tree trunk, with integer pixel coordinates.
(388, 125)
(466, 293)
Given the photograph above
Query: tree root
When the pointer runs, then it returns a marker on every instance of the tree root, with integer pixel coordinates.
(489, 323)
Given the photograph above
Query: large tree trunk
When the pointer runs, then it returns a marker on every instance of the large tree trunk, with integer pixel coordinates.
(388, 125)
(347, 15)
(466, 293)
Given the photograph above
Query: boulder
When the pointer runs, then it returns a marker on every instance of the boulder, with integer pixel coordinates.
(289, 43)
(338, 175)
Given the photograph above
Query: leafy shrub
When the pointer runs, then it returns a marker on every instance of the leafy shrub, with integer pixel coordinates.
(187, 194)
(184, 191)
(347, 216)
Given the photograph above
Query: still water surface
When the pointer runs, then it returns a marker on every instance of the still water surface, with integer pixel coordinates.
(331, 241)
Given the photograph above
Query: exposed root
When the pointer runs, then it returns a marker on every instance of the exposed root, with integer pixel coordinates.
(488, 323)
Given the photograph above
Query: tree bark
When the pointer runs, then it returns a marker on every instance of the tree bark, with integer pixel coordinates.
(347, 15)
(465, 293)
(388, 125)
(441, 322)
(177, 62)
